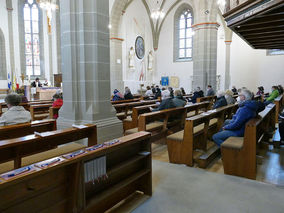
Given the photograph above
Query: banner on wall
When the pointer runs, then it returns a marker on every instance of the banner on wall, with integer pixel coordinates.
(165, 81)
(174, 82)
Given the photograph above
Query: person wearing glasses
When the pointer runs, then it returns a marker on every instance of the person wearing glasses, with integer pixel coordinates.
(235, 127)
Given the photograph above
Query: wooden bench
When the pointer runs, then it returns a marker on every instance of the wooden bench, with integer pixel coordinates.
(64, 187)
(125, 109)
(25, 105)
(278, 103)
(53, 111)
(17, 148)
(39, 111)
(239, 153)
(211, 99)
(164, 122)
(125, 101)
(20, 130)
(197, 130)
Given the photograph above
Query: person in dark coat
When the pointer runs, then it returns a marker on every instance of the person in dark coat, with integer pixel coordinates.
(182, 91)
(117, 96)
(234, 90)
(158, 93)
(128, 95)
(235, 127)
(221, 100)
(210, 91)
(36, 83)
(197, 94)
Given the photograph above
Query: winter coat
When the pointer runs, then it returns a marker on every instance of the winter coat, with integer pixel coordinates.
(179, 101)
(247, 110)
(210, 92)
(15, 115)
(273, 95)
(221, 101)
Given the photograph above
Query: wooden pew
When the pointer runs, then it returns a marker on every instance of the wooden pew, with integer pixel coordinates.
(211, 99)
(125, 101)
(25, 105)
(197, 130)
(278, 103)
(17, 148)
(53, 111)
(64, 188)
(125, 109)
(20, 130)
(239, 153)
(39, 111)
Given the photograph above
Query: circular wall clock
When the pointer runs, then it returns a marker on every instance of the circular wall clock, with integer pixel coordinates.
(139, 47)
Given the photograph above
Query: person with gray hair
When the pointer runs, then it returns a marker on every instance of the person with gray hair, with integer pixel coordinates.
(221, 100)
(128, 94)
(178, 99)
(235, 127)
(16, 114)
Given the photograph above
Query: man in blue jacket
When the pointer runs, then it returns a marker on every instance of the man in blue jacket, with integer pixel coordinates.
(248, 109)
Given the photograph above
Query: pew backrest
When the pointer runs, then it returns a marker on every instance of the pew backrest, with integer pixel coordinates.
(20, 130)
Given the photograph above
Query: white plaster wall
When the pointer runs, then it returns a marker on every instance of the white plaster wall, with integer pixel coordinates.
(252, 68)
(165, 59)
(135, 22)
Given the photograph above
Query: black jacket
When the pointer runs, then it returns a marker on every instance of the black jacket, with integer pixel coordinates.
(34, 84)
(221, 101)
(128, 96)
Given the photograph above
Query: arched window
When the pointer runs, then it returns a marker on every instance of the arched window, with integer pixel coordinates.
(32, 38)
(183, 33)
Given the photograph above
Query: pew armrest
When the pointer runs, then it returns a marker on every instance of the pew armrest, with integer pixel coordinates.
(233, 143)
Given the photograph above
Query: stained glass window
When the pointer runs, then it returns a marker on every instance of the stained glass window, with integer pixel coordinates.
(275, 52)
(185, 35)
(31, 26)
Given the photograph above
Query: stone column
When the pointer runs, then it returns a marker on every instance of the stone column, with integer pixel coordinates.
(86, 67)
(205, 55)
(11, 37)
(228, 64)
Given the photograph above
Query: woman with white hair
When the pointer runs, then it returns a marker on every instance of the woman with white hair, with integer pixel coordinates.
(128, 94)
(235, 127)
(221, 100)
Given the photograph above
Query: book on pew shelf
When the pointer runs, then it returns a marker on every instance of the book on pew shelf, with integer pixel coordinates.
(109, 143)
(43, 134)
(49, 162)
(95, 147)
(75, 154)
(79, 126)
(19, 172)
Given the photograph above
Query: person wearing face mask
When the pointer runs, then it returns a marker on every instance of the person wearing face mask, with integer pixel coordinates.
(210, 91)
(235, 127)
(274, 94)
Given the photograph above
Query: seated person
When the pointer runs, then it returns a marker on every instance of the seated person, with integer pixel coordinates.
(280, 89)
(165, 94)
(21, 92)
(182, 91)
(221, 100)
(16, 114)
(235, 127)
(167, 102)
(46, 83)
(210, 91)
(178, 99)
(234, 90)
(158, 93)
(171, 91)
(149, 92)
(197, 94)
(229, 97)
(260, 91)
(153, 90)
(57, 102)
(36, 83)
(128, 95)
(274, 94)
(117, 96)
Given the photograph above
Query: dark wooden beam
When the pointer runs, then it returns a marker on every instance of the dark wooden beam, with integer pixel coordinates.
(270, 28)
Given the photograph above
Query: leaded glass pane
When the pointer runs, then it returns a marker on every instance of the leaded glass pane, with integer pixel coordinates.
(35, 13)
(181, 53)
(27, 12)
(36, 49)
(28, 43)
(188, 42)
(182, 34)
(37, 70)
(30, 1)
(35, 27)
(188, 53)
(189, 22)
(181, 24)
(27, 27)
(29, 60)
(182, 43)
(29, 70)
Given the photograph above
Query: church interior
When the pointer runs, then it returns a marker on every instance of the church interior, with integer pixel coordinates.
(141, 106)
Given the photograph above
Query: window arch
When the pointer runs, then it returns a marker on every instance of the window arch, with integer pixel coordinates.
(183, 33)
(31, 38)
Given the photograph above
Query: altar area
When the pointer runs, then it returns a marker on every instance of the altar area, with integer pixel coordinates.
(40, 93)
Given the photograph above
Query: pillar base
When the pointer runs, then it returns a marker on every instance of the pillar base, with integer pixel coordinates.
(108, 129)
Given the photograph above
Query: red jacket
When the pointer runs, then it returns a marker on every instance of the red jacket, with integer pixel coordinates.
(57, 103)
